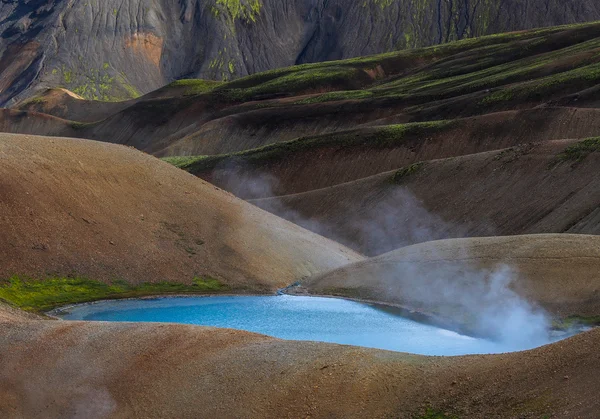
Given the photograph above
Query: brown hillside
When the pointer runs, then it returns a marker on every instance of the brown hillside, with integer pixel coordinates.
(76, 207)
(557, 271)
(526, 189)
(23, 122)
(67, 369)
(242, 129)
(257, 128)
(67, 105)
(322, 161)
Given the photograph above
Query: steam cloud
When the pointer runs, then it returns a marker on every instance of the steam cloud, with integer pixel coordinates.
(483, 299)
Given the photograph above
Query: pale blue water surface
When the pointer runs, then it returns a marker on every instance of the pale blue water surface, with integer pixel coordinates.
(298, 318)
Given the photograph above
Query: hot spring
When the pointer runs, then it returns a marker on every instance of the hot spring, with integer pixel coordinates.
(302, 318)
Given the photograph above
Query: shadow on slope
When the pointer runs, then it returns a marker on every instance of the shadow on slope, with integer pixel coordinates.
(548, 187)
(321, 161)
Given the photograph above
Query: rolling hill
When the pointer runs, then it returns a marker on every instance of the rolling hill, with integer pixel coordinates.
(100, 369)
(554, 67)
(542, 187)
(451, 279)
(84, 209)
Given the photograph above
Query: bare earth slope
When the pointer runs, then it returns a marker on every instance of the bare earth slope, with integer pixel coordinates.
(117, 49)
(527, 189)
(330, 159)
(78, 207)
(67, 105)
(557, 271)
(125, 370)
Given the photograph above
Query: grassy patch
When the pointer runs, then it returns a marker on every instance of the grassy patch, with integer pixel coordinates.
(43, 295)
(388, 136)
(246, 10)
(196, 86)
(79, 125)
(435, 414)
(295, 82)
(37, 100)
(575, 321)
(578, 152)
(181, 161)
(404, 172)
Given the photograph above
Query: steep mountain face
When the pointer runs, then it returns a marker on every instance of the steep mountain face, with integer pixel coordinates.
(118, 49)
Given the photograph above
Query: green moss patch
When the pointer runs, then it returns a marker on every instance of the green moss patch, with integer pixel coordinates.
(43, 295)
(405, 172)
(182, 161)
(80, 125)
(581, 150)
(388, 136)
(196, 86)
(246, 10)
(575, 322)
(435, 414)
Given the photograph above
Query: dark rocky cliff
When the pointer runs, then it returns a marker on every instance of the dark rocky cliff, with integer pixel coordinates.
(117, 49)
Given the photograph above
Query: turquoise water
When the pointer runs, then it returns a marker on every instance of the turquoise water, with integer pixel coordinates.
(299, 318)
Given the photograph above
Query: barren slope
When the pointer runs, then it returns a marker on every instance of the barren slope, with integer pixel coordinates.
(65, 104)
(533, 188)
(22, 122)
(557, 271)
(320, 161)
(150, 370)
(471, 77)
(102, 211)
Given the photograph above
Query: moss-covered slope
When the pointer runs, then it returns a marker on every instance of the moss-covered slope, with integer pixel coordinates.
(114, 49)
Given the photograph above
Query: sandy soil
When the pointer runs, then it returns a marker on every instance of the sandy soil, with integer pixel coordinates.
(112, 370)
(106, 211)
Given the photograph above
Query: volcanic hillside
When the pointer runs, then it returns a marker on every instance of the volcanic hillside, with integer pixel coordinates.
(556, 271)
(115, 49)
(555, 66)
(96, 369)
(480, 137)
(542, 187)
(86, 209)
(456, 139)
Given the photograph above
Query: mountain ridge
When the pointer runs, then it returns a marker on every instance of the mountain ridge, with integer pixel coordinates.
(73, 44)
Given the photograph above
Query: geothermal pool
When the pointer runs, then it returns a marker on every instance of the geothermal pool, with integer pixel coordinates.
(300, 318)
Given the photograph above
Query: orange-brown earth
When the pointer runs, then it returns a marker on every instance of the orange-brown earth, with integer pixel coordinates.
(559, 272)
(76, 207)
(65, 104)
(99, 370)
(103, 211)
(22, 122)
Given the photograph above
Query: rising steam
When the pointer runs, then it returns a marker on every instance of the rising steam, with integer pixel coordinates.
(452, 286)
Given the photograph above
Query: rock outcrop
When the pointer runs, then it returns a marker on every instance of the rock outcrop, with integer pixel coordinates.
(118, 49)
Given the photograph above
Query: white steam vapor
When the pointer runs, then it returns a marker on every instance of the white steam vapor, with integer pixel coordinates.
(482, 299)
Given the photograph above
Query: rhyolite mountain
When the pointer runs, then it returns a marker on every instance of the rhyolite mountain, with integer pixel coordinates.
(118, 49)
